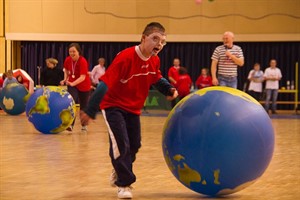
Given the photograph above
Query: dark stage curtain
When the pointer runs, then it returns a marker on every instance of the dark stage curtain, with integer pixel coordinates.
(193, 55)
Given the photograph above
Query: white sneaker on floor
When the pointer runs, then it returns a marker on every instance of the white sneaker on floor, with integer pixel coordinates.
(124, 193)
(84, 128)
(113, 178)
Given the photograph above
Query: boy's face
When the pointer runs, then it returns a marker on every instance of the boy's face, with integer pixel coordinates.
(9, 76)
(154, 42)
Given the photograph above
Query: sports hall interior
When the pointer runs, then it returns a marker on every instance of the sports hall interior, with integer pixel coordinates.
(76, 166)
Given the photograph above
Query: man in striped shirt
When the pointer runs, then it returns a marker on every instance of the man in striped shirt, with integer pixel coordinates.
(225, 59)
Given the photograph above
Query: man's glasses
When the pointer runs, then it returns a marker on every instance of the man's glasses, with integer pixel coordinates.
(158, 40)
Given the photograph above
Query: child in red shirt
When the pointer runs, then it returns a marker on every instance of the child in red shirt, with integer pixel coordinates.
(121, 92)
(184, 83)
(204, 80)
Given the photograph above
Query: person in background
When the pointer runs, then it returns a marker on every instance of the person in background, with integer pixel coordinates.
(272, 76)
(204, 80)
(10, 78)
(121, 93)
(173, 76)
(21, 81)
(2, 79)
(77, 79)
(226, 59)
(184, 83)
(51, 75)
(97, 72)
(256, 78)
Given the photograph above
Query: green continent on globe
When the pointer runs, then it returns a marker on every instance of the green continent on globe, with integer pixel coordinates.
(8, 103)
(41, 106)
(59, 90)
(66, 118)
(188, 175)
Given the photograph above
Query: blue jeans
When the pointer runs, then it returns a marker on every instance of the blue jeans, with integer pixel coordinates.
(274, 94)
(229, 81)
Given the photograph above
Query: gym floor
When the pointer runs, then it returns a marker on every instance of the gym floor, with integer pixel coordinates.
(77, 166)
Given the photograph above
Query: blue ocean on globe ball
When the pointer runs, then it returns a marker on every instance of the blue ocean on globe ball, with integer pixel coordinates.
(13, 98)
(218, 141)
(51, 109)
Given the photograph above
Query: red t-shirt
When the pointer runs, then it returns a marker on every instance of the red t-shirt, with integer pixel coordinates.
(203, 82)
(173, 72)
(1, 82)
(128, 79)
(184, 84)
(78, 68)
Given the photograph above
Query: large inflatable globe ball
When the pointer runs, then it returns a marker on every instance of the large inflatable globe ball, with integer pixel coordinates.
(51, 109)
(13, 98)
(218, 141)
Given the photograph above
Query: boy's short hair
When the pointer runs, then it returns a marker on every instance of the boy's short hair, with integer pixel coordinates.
(150, 28)
(182, 71)
(9, 72)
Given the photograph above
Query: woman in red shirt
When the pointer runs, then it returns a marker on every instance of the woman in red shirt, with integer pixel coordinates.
(76, 78)
(204, 80)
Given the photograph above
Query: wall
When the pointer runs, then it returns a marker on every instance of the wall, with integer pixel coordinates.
(124, 20)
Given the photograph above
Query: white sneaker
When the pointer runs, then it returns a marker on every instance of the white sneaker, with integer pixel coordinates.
(84, 128)
(113, 178)
(124, 193)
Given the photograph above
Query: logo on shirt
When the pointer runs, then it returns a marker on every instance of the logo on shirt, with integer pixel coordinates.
(145, 66)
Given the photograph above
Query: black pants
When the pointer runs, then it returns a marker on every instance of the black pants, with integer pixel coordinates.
(79, 97)
(125, 140)
(255, 95)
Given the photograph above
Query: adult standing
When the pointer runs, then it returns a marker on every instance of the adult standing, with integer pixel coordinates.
(272, 76)
(51, 75)
(76, 78)
(256, 77)
(225, 61)
(98, 71)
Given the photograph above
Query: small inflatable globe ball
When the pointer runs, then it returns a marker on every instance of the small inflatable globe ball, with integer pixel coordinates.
(13, 98)
(51, 109)
(218, 141)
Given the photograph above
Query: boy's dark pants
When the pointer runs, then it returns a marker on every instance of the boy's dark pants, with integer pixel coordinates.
(125, 140)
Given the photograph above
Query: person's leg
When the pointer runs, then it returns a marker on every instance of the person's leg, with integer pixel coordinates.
(120, 151)
(232, 82)
(134, 134)
(83, 101)
(74, 93)
(274, 101)
(268, 97)
(222, 80)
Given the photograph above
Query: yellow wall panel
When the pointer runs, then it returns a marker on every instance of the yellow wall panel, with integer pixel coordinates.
(109, 17)
(25, 16)
(58, 16)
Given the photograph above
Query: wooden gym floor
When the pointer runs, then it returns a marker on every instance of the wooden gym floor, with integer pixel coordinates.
(77, 166)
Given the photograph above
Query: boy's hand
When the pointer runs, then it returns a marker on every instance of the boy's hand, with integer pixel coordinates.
(175, 94)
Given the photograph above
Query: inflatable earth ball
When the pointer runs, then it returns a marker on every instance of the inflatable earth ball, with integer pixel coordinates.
(51, 109)
(13, 98)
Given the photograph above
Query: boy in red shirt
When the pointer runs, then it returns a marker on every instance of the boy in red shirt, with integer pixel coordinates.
(184, 83)
(204, 80)
(122, 91)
